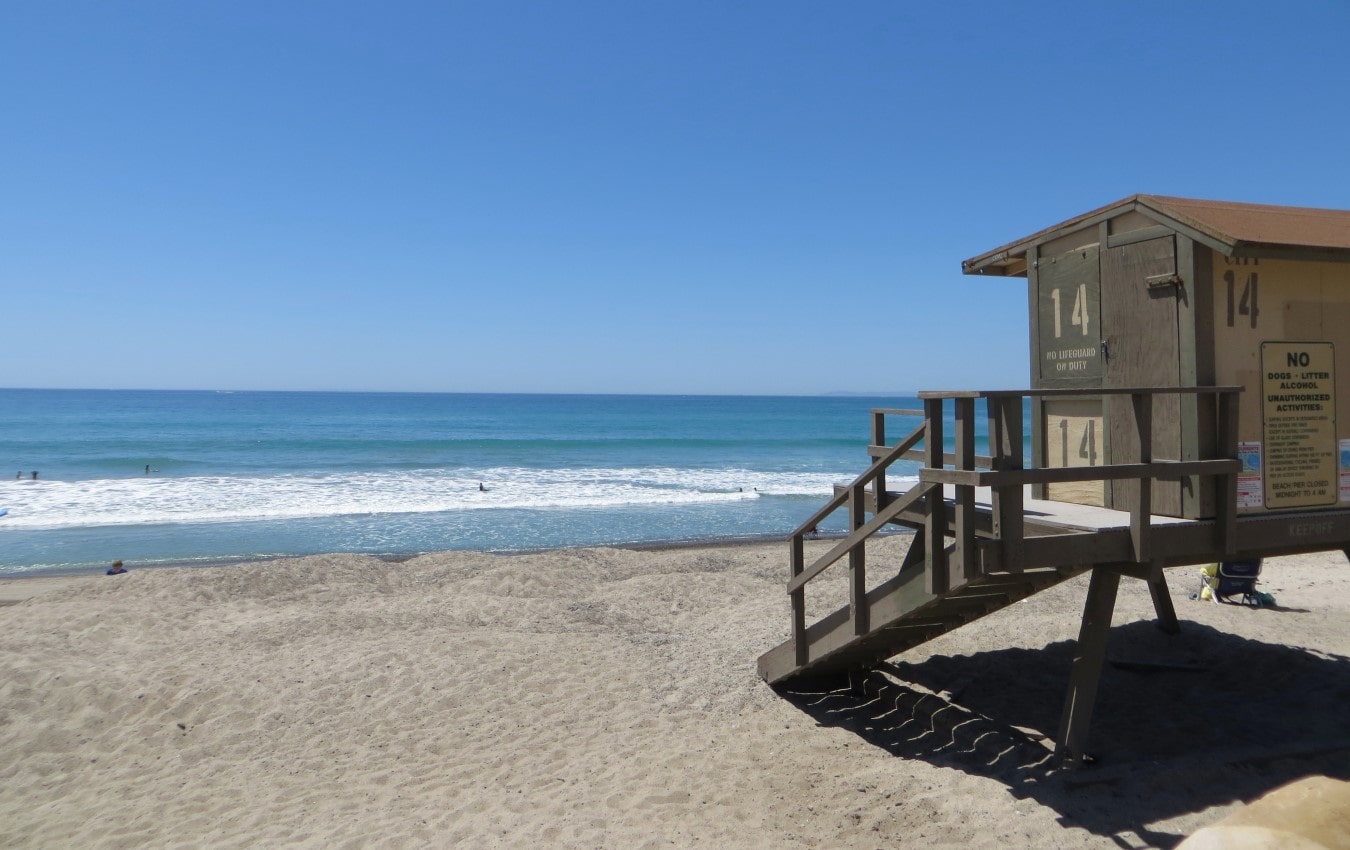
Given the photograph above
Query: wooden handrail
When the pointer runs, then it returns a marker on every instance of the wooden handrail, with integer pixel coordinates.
(872, 526)
(918, 454)
(1165, 469)
(1087, 392)
(862, 480)
(1003, 472)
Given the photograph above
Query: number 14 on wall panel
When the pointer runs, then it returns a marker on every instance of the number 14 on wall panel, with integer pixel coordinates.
(1079, 316)
(1246, 305)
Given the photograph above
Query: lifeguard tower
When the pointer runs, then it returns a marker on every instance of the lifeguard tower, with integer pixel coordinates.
(1186, 406)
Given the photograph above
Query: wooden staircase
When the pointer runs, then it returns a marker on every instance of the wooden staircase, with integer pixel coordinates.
(902, 614)
(982, 542)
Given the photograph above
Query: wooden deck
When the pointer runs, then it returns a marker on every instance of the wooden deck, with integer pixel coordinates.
(983, 542)
(904, 614)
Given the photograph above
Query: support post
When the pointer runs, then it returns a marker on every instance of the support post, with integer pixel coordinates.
(1226, 484)
(966, 566)
(1089, 655)
(1162, 600)
(857, 562)
(797, 559)
(879, 439)
(935, 529)
(1005, 444)
(1143, 510)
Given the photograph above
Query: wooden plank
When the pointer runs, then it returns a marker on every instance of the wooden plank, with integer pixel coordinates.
(922, 456)
(1068, 295)
(1141, 511)
(1165, 469)
(879, 439)
(940, 395)
(857, 563)
(1143, 234)
(1202, 295)
(1074, 429)
(1052, 392)
(1008, 521)
(1162, 600)
(872, 526)
(1193, 489)
(1089, 654)
(1140, 326)
(1225, 487)
(965, 566)
(1037, 432)
(935, 530)
(796, 560)
(887, 602)
(841, 496)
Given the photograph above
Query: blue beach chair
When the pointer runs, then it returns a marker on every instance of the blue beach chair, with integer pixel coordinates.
(1226, 581)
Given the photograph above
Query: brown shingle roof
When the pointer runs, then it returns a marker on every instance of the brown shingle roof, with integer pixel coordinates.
(1260, 224)
(1227, 226)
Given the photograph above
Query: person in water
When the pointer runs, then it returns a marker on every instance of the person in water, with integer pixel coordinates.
(116, 569)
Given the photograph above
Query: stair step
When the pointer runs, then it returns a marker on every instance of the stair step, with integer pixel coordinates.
(903, 615)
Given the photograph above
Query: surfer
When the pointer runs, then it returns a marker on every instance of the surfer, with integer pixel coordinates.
(35, 475)
(481, 488)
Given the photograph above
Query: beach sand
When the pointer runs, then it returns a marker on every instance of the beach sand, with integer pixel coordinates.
(608, 698)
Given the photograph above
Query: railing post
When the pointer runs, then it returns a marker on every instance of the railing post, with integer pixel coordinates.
(879, 439)
(857, 562)
(935, 529)
(1226, 485)
(1143, 510)
(967, 565)
(797, 559)
(1005, 449)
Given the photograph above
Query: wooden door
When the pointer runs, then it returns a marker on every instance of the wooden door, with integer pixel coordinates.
(1142, 349)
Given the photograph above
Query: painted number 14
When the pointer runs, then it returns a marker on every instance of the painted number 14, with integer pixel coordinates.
(1246, 305)
(1079, 316)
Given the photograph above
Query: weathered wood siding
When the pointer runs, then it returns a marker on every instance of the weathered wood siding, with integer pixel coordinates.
(1257, 301)
(1139, 321)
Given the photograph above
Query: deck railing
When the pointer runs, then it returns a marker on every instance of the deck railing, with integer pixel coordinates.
(1004, 471)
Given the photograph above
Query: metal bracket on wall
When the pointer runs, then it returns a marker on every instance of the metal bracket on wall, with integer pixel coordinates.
(1160, 280)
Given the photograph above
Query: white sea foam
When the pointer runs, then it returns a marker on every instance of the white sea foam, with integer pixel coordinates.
(135, 501)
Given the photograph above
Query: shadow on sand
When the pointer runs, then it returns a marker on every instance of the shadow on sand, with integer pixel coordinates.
(1182, 723)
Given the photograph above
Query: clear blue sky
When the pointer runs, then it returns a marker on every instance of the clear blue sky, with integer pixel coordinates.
(668, 197)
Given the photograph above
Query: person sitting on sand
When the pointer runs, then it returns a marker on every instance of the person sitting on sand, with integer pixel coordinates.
(116, 569)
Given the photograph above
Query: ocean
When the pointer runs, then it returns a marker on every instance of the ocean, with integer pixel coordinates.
(194, 477)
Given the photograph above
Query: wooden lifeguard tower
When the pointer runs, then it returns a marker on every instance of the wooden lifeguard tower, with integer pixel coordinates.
(1186, 406)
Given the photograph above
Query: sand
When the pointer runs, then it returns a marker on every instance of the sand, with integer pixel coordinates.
(608, 698)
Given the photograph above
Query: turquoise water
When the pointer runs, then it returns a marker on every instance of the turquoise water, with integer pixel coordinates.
(258, 474)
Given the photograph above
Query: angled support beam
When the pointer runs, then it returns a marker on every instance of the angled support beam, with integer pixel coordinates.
(1089, 655)
(1162, 600)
